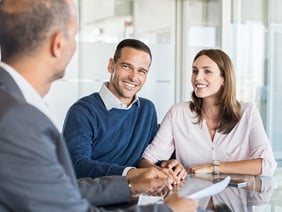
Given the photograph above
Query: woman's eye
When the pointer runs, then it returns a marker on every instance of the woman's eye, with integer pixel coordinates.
(194, 71)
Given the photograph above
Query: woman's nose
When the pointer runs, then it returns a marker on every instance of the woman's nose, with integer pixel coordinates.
(199, 75)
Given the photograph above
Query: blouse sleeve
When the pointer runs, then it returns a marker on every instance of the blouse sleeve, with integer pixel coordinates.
(162, 145)
(261, 144)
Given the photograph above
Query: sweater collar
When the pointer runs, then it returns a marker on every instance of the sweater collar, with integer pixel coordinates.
(111, 101)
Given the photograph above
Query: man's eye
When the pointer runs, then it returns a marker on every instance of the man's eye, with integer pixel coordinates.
(125, 66)
(143, 71)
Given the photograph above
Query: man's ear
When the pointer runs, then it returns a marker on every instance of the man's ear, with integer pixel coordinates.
(111, 66)
(56, 44)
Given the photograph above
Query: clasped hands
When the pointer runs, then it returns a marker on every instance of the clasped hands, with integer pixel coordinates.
(156, 180)
(161, 180)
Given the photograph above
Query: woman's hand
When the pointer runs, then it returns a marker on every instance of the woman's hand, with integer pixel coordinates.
(201, 169)
(178, 170)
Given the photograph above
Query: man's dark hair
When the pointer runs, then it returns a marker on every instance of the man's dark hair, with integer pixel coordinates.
(132, 43)
(25, 24)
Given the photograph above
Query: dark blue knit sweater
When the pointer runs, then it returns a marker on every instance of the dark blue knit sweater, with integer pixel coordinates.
(103, 142)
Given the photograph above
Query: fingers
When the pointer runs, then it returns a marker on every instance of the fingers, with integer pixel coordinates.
(159, 186)
(155, 180)
(179, 171)
(165, 173)
(150, 180)
(150, 186)
(171, 175)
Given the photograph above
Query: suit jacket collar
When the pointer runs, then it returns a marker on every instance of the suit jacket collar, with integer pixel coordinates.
(8, 84)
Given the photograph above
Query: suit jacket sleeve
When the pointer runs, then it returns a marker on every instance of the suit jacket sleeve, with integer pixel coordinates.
(111, 190)
(36, 172)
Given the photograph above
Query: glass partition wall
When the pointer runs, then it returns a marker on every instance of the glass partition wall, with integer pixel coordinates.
(103, 26)
(256, 50)
(250, 31)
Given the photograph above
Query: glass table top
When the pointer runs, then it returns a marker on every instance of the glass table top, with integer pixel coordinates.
(263, 194)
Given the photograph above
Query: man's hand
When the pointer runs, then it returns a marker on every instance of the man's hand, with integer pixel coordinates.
(179, 203)
(178, 170)
(149, 180)
(171, 167)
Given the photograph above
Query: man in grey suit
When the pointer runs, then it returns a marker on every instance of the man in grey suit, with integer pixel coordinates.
(37, 40)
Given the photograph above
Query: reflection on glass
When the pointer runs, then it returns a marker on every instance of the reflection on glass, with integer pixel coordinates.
(254, 197)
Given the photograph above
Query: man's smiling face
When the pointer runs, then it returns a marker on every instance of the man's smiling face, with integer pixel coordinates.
(128, 73)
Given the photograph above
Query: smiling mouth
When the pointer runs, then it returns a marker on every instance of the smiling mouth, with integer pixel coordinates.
(199, 86)
(129, 85)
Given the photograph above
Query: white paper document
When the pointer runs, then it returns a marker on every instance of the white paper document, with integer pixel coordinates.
(147, 199)
(204, 192)
(211, 190)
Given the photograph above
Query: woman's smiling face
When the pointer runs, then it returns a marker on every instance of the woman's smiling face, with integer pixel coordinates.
(206, 77)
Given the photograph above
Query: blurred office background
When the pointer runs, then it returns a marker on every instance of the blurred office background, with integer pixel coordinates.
(250, 31)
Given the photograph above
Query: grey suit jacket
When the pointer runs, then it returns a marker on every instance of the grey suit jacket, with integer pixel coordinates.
(36, 173)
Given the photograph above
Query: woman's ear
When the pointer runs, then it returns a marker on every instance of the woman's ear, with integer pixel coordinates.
(222, 84)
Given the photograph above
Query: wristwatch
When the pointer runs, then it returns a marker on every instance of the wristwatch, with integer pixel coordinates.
(216, 164)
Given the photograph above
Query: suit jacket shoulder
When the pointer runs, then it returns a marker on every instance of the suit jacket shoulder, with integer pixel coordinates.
(36, 172)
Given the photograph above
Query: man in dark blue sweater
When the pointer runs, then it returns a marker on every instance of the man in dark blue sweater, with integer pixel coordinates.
(107, 131)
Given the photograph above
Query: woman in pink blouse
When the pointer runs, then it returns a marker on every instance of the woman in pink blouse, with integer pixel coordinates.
(213, 133)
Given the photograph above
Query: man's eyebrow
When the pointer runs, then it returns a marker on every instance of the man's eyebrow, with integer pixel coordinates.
(125, 63)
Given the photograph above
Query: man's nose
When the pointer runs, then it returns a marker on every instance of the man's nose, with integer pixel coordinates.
(133, 74)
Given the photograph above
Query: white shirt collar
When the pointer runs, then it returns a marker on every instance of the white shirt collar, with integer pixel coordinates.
(30, 94)
(111, 101)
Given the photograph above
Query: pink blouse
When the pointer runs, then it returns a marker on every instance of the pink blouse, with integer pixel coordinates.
(193, 145)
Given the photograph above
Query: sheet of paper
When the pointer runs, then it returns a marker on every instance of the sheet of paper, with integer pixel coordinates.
(147, 199)
(211, 190)
(205, 192)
